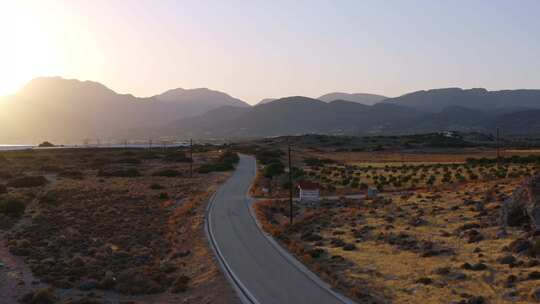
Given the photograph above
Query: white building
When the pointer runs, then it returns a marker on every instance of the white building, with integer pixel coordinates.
(309, 191)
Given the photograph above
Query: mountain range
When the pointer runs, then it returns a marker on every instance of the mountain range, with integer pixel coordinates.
(64, 110)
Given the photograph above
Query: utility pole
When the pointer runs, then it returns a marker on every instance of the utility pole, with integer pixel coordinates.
(498, 152)
(290, 187)
(191, 157)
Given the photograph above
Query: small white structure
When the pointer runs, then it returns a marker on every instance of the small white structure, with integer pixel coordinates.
(372, 192)
(309, 191)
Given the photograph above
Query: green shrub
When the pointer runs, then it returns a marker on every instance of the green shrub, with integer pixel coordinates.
(215, 167)
(46, 144)
(12, 206)
(266, 157)
(163, 195)
(225, 162)
(134, 161)
(168, 173)
(274, 169)
(131, 172)
(229, 157)
(28, 182)
(178, 157)
(156, 187)
(74, 174)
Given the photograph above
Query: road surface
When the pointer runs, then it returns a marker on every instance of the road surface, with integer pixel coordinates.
(260, 271)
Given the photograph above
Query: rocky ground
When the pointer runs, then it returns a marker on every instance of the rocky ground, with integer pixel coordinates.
(111, 227)
(427, 246)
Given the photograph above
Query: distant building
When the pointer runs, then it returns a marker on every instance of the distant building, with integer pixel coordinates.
(451, 134)
(309, 191)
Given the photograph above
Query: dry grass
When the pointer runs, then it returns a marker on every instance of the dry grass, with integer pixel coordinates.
(400, 272)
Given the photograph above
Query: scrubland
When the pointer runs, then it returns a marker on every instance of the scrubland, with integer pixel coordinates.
(109, 225)
(433, 234)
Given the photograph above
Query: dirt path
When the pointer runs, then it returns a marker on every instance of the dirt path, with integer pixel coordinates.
(16, 278)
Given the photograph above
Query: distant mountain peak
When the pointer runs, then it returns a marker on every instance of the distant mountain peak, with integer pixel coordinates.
(58, 83)
(265, 100)
(364, 98)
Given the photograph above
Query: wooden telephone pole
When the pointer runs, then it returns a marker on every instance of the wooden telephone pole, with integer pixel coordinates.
(191, 157)
(290, 187)
(498, 149)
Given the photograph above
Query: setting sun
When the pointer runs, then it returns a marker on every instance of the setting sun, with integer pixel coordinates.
(27, 49)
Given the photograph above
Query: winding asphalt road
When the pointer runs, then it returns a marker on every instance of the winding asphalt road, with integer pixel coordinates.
(258, 268)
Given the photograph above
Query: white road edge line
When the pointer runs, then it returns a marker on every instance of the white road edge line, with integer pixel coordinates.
(243, 293)
(290, 258)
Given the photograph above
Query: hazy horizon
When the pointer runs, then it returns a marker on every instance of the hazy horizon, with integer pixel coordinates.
(257, 50)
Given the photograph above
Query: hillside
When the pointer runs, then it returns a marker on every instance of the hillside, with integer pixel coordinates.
(61, 110)
(64, 110)
(297, 115)
(438, 99)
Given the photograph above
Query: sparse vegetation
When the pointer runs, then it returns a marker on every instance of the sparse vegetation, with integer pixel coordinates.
(12, 206)
(225, 162)
(28, 182)
(67, 242)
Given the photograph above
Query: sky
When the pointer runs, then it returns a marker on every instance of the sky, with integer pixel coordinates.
(266, 49)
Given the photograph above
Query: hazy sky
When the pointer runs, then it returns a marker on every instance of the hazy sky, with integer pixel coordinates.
(258, 49)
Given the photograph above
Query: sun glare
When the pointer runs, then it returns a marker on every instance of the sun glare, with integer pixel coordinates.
(26, 50)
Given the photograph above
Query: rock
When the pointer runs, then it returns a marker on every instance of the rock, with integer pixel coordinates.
(469, 226)
(536, 295)
(524, 205)
(88, 285)
(474, 267)
(476, 300)
(535, 275)
(424, 280)
(180, 284)
(511, 280)
(520, 245)
(511, 295)
(108, 281)
(456, 276)
(474, 236)
(316, 253)
(508, 259)
(44, 296)
(418, 221)
(136, 281)
(349, 247)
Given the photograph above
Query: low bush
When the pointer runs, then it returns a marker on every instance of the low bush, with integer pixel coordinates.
(225, 162)
(74, 174)
(156, 187)
(12, 206)
(274, 169)
(167, 173)
(134, 161)
(268, 156)
(131, 172)
(163, 195)
(28, 182)
(215, 167)
(178, 157)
